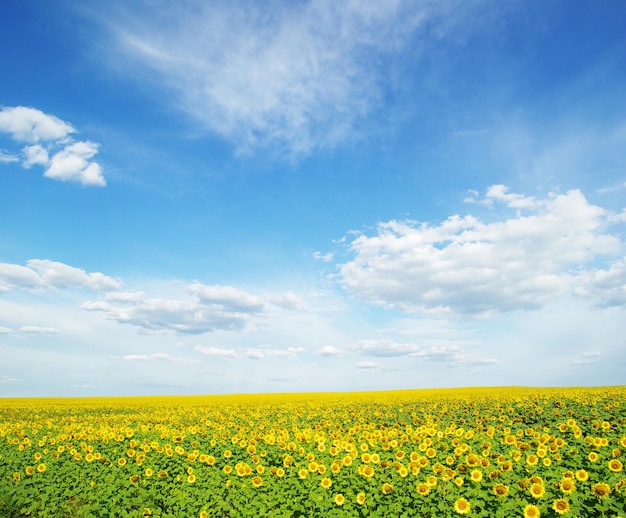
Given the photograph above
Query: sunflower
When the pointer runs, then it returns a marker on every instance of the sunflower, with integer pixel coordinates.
(601, 489)
(303, 473)
(531, 511)
(41, 468)
(532, 460)
(582, 475)
(149, 472)
(423, 489)
(561, 506)
(191, 478)
(280, 472)
(593, 456)
(476, 475)
(537, 490)
(257, 481)
(568, 486)
(339, 499)
(360, 498)
(121, 462)
(387, 488)
(501, 490)
(326, 483)
(616, 465)
(462, 506)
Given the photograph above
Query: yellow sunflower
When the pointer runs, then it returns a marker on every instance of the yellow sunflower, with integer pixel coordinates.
(462, 506)
(561, 506)
(601, 489)
(339, 499)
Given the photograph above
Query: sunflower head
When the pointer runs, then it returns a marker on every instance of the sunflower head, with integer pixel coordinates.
(462, 506)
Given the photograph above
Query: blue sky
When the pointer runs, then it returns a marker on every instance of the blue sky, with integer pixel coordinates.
(299, 196)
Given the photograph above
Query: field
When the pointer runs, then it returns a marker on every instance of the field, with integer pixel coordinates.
(506, 452)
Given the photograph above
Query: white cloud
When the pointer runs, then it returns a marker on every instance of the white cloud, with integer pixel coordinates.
(288, 353)
(301, 77)
(328, 257)
(367, 365)
(46, 274)
(31, 125)
(7, 158)
(157, 357)
(227, 298)
(254, 354)
(211, 308)
(5, 330)
(216, 352)
(37, 330)
(606, 287)
(9, 380)
(289, 301)
(36, 154)
(469, 267)
(450, 354)
(159, 314)
(384, 348)
(73, 163)
(329, 350)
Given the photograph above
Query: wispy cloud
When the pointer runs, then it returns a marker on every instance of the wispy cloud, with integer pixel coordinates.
(158, 357)
(329, 350)
(38, 330)
(267, 352)
(8, 380)
(51, 145)
(297, 77)
(216, 352)
(587, 358)
(450, 354)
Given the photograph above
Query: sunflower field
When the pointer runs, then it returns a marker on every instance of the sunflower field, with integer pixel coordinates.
(481, 452)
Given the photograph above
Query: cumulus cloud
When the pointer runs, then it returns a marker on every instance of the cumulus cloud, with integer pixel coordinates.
(367, 365)
(606, 287)
(210, 308)
(45, 274)
(30, 125)
(227, 298)
(36, 154)
(5, 330)
(72, 164)
(466, 266)
(51, 146)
